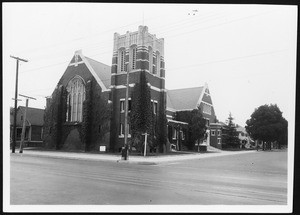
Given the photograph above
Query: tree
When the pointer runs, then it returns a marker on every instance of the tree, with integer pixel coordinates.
(230, 137)
(196, 125)
(141, 112)
(268, 125)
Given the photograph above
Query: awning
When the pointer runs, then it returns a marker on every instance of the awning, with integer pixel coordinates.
(171, 121)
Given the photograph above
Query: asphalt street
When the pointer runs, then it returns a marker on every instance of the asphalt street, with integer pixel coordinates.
(258, 178)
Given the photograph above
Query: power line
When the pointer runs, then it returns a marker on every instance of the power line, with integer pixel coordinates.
(168, 26)
(208, 27)
(230, 59)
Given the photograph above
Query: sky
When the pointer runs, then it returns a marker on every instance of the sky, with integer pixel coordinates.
(245, 53)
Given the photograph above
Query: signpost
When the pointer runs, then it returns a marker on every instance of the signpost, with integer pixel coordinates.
(145, 144)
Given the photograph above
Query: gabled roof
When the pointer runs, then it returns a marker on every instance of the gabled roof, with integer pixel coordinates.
(103, 71)
(240, 129)
(34, 116)
(100, 71)
(184, 99)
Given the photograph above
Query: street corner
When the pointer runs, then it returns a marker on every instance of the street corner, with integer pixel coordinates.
(122, 161)
(137, 162)
(146, 163)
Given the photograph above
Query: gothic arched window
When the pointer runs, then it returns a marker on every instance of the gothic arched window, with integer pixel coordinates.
(76, 96)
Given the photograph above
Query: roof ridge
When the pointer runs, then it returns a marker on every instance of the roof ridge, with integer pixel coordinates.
(21, 106)
(96, 61)
(170, 100)
(186, 88)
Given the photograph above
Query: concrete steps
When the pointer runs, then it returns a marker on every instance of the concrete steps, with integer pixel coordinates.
(213, 149)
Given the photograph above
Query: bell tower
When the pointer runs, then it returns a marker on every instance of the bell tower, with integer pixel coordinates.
(135, 52)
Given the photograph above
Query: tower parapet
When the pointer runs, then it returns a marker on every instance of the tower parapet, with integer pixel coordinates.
(138, 50)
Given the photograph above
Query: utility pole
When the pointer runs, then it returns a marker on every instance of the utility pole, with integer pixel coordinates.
(126, 114)
(16, 99)
(24, 123)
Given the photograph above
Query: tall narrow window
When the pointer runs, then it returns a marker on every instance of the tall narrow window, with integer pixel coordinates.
(157, 63)
(155, 107)
(68, 118)
(121, 130)
(122, 105)
(76, 96)
(74, 107)
(133, 57)
(79, 106)
(122, 60)
(150, 59)
(154, 64)
(129, 104)
(174, 133)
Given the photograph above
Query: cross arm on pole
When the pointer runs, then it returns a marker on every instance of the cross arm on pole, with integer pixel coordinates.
(17, 58)
(27, 97)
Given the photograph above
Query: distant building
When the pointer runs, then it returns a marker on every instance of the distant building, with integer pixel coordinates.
(216, 134)
(186, 100)
(34, 125)
(245, 140)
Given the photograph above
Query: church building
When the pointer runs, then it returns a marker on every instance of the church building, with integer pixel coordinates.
(87, 109)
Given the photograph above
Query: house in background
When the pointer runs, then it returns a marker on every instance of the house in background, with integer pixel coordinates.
(216, 134)
(245, 140)
(188, 99)
(34, 125)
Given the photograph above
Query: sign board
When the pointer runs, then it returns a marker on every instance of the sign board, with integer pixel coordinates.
(102, 148)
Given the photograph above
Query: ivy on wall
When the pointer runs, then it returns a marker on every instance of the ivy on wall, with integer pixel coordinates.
(96, 118)
(141, 118)
(54, 117)
(92, 130)
(87, 116)
(161, 125)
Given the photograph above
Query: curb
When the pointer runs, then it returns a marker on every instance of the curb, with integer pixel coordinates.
(65, 157)
(140, 161)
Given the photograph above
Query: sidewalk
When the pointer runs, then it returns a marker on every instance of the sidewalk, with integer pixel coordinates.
(132, 159)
